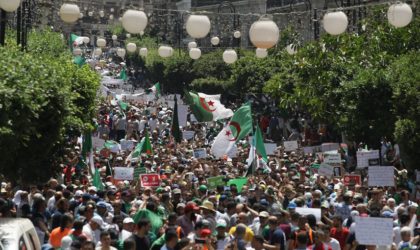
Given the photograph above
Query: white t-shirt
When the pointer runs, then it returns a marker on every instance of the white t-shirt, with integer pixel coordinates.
(92, 235)
(335, 245)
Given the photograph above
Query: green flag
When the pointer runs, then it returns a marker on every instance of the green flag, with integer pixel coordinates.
(143, 147)
(97, 182)
(207, 107)
(86, 144)
(241, 123)
(176, 133)
(79, 61)
(259, 144)
(155, 89)
(123, 105)
(123, 74)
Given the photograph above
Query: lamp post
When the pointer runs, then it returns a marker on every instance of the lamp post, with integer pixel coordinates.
(6, 6)
(236, 42)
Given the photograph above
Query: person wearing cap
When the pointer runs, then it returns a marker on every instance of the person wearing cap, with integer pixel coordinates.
(102, 210)
(209, 213)
(222, 238)
(187, 221)
(259, 223)
(92, 230)
(127, 228)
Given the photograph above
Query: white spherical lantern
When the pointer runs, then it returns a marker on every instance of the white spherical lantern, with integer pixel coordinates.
(192, 45)
(261, 53)
(399, 14)
(114, 37)
(264, 33)
(86, 40)
(237, 34)
(143, 52)
(335, 23)
(77, 51)
(198, 26)
(121, 52)
(101, 42)
(134, 21)
(195, 53)
(131, 47)
(128, 35)
(101, 13)
(9, 5)
(230, 56)
(141, 33)
(97, 52)
(90, 13)
(291, 49)
(165, 51)
(112, 9)
(215, 40)
(69, 13)
(111, 17)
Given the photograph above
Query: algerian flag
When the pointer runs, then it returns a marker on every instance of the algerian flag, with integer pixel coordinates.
(97, 182)
(87, 144)
(123, 74)
(207, 107)
(123, 105)
(155, 89)
(143, 147)
(79, 60)
(113, 146)
(239, 126)
(76, 40)
(259, 145)
(176, 133)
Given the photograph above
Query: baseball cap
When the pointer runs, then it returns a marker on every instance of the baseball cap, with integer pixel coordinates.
(98, 220)
(78, 193)
(128, 220)
(291, 205)
(176, 191)
(221, 223)
(101, 204)
(264, 214)
(202, 188)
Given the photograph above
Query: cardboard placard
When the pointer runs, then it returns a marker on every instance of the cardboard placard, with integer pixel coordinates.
(97, 143)
(326, 170)
(150, 180)
(182, 114)
(332, 158)
(270, 148)
(290, 145)
(213, 182)
(188, 135)
(352, 179)
(329, 146)
(374, 231)
(126, 145)
(200, 153)
(382, 176)
(363, 157)
(306, 211)
(123, 173)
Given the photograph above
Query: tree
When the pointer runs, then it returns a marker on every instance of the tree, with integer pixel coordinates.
(43, 97)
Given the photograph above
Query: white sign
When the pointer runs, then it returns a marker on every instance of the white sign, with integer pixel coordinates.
(200, 153)
(332, 158)
(305, 211)
(127, 144)
(326, 170)
(290, 145)
(329, 146)
(182, 115)
(363, 157)
(123, 173)
(188, 135)
(374, 231)
(382, 176)
(97, 143)
(311, 150)
(270, 148)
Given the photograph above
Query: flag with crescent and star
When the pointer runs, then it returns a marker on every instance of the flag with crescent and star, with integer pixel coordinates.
(236, 129)
(207, 108)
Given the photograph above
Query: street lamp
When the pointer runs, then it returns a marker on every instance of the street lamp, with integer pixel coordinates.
(264, 33)
(9, 5)
(198, 26)
(69, 13)
(134, 21)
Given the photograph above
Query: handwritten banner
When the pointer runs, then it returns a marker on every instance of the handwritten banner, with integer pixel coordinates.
(381, 176)
(363, 157)
(270, 148)
(326, 170)
(200, 153)
(374, 231)
(332, 158)
(290, 145)
(123, 173)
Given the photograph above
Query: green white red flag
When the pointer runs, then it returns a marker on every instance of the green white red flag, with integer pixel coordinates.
(207, 107)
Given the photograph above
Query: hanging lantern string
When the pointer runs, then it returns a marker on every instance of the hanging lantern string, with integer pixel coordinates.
(354, 7)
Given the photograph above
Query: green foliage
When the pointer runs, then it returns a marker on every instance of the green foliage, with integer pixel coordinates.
(404, 77)
(44, 97)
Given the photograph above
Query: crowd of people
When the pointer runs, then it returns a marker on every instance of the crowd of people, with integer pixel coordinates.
(71, 211)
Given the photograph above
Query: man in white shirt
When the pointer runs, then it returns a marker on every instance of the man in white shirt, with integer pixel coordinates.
(92, 229)
(127, 229)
